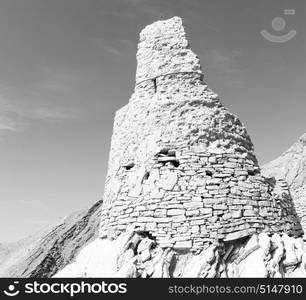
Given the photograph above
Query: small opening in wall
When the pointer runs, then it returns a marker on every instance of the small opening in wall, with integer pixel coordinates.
(146, 176)
(154, 85)
(168, 156)
(209, 173)
(129, 166)
(163, 152)
(144, 234)
(251, 172)
(175, 163)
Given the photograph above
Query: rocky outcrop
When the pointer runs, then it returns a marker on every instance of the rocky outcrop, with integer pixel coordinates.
(48, 251)
(134, 255)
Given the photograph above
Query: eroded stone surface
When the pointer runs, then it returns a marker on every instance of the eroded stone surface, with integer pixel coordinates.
(258, 256)
(164, 49)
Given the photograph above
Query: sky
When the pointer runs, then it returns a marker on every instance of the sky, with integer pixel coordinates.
(66, 66)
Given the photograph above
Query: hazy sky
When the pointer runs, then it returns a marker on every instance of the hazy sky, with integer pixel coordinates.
(67, 65)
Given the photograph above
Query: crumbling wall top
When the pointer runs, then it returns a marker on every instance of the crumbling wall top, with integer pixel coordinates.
(163, 49)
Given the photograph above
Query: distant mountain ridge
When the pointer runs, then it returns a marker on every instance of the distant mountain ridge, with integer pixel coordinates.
(46, 252)
(291, 165)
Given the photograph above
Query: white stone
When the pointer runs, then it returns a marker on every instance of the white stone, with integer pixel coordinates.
(253, 265)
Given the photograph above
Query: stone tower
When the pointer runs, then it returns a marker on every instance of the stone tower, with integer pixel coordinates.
(181, 166)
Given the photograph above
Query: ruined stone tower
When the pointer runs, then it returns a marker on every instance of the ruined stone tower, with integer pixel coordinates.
(181, 166)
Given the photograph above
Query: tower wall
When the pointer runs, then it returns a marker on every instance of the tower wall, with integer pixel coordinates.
(181, 166)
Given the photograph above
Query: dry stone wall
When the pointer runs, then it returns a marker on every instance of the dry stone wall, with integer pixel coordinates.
(164, 49)
(300, 205)
(181, 166)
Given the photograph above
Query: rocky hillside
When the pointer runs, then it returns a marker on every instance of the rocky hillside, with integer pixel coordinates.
(46, 252)
(291, 165)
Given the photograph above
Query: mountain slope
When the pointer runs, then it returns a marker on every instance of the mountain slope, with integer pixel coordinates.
(48, 251)
(291, 166)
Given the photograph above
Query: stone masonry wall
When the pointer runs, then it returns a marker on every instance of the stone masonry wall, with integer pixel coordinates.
(300, 205)
(181, 166)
